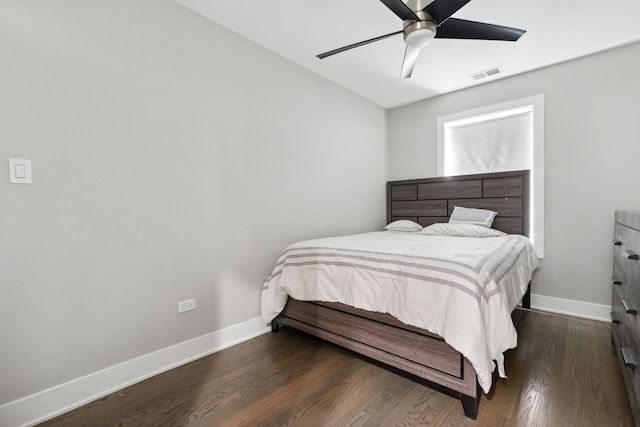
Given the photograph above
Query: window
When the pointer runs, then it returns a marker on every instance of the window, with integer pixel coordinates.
(499, 138)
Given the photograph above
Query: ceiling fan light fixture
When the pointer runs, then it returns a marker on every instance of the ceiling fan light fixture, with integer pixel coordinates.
(420, 33)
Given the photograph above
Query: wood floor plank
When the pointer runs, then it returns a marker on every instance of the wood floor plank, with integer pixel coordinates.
(563, 373)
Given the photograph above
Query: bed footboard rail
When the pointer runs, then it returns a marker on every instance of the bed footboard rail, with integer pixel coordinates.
(381, 337)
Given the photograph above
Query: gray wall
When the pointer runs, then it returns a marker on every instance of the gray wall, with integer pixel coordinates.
(592, 147)
(171, 159)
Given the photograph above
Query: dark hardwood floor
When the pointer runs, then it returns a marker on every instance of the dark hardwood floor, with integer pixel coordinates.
(564, 372)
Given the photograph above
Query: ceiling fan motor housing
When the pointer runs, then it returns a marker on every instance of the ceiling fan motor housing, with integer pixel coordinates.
(419, 33)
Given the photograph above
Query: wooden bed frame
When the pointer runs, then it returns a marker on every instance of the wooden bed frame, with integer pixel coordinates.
(383, 338)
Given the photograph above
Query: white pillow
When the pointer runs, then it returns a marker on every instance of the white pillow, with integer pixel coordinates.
(403, 225)
(461, 230)
(483, 217)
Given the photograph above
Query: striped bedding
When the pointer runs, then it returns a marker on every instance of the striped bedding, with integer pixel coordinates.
(462, 289)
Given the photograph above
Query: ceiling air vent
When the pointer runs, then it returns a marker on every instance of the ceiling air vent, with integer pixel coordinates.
(487, 73)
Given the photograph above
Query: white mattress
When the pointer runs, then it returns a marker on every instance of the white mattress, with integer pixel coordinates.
(463, 289)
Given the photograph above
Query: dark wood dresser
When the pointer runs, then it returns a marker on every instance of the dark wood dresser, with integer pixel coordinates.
(625, 330)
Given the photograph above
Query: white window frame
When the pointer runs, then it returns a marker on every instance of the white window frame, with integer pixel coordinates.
(535, 104)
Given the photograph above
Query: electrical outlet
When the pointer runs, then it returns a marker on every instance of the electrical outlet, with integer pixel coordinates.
(186, 305)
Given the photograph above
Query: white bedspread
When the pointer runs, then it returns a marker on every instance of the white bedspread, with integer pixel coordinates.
(462, 289)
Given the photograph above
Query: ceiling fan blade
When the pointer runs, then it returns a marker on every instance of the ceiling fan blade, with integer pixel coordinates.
(351, 46)
(462, 29)
(400, 9)
(441, 10)
(409, 61)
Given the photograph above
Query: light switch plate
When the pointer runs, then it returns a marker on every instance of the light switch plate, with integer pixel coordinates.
(19, 171)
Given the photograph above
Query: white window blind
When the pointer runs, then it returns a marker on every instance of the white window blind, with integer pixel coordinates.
(499, 138)
(489, 145)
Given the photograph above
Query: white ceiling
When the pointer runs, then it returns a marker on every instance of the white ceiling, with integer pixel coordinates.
(557, 31)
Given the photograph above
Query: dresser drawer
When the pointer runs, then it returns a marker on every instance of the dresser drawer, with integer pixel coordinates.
(626, 265)
(625, 300)
(627, 349)
(617, 316)
(625, 317)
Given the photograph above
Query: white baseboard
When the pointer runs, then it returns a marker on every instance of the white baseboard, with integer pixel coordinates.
(57, 400)
(574, 308)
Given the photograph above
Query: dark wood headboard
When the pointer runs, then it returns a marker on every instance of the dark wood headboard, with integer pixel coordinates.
(431, 200)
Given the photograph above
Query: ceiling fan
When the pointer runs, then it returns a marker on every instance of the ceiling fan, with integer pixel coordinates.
(424, 20)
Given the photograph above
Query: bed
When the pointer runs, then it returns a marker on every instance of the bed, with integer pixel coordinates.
(400, 340)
